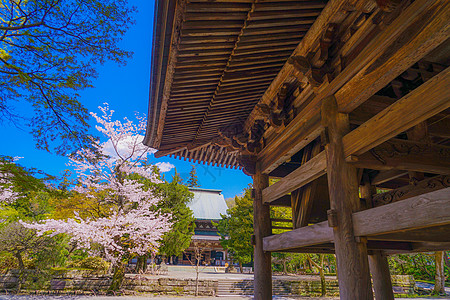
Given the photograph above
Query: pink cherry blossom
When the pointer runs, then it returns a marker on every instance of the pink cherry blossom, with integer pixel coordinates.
(133, 226)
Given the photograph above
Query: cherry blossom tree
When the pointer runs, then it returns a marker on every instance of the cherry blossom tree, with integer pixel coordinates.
(133, 225)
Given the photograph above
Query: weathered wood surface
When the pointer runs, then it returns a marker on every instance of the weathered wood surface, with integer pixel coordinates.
(423, 26)
(435, 234)
(405, 155)
(306, 173)
(378, 263)
(391, 222)
(379, 268)
(425, 101)
(386, 175)
(262, 228)
(333, 11)
(302, 198)
(409, 191)
(343, 184)
(294, 137)
(422, 211)
(393, 40)
(301, 237)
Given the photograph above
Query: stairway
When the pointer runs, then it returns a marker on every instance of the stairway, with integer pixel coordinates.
(229, 287)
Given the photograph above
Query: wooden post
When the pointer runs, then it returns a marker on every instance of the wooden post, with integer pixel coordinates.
(379, 266)
(382, 283)
(351, 255)
(261, 227)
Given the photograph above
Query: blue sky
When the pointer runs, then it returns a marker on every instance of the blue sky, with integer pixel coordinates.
(126, 90)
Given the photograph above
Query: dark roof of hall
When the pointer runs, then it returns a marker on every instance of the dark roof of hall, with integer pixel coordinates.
(211, 63)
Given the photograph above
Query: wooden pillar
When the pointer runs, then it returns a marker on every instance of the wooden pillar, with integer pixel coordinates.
(382, 284)
(261, 227)
(378, 262)
(351, 255)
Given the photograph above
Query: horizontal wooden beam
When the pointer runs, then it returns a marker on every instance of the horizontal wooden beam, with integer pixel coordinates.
(419, 29)
(423, 211)
(311, 170)
(300, 237)
(295, 136)
(431, 234)
(409, 191)
(422, 103)
(387, 175)
(431, 209)
(405, 155)
(284, 201)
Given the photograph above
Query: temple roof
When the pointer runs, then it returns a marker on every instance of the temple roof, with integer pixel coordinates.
(207, 204)
(211, 63)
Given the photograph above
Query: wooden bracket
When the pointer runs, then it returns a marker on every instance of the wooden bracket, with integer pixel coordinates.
(303, 65)
(332, 218)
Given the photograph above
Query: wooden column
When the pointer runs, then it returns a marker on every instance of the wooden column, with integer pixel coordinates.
(351, 255)
(379, 266)
(261, 227)
(382, 283)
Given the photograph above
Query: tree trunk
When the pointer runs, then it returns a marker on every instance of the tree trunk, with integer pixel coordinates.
(284, 267)
(196, 276)
(141, 265)
(240, 267)
(439, 285)
(118, 276)
(18, 255)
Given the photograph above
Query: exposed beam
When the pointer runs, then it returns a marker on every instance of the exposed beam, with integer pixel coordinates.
(294, 137)
(422, 103)
(409, 191)
(427, 210)
(423, 26)
(311, 170)
(423, 211)
(301, 237)
(331, 13)
(436, 234)
(399, 39)
(387, 175)
(405, 155)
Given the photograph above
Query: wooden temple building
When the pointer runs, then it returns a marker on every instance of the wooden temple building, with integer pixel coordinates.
(207, 206)
(346, 102)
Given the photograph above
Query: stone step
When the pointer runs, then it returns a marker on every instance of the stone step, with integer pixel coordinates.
(245, 287)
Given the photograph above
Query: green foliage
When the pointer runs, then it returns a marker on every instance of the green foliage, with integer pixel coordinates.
(92, 263)
(49, 51)
(175, 198)
(236, 229)
(193, 179)
(420, 265)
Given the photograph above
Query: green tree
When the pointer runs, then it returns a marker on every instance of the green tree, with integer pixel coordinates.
(175, 197)
(236, 229)
(193, 179)
(48, 52)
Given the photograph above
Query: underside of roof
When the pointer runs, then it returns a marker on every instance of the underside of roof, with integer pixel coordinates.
(211, 63)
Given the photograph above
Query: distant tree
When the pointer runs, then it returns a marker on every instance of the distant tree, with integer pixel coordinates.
(174, 200)
(48, 52)
(23, 243)
(193, 179)
(236, 229)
